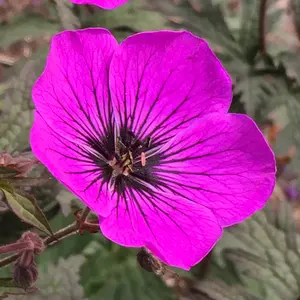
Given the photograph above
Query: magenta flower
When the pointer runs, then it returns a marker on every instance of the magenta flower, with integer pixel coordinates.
(141, 134)
(106, 4)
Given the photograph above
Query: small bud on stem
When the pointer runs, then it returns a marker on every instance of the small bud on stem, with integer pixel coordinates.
(25, 276)
(149, 262)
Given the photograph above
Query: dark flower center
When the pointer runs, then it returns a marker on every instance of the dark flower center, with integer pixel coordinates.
(125, 161)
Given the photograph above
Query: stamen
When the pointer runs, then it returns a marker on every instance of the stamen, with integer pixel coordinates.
(143, 159)
(123, 166)
(148, 142)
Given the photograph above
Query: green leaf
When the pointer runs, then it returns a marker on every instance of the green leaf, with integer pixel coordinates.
(24, 26)
(11, 227)
(249, 29)
(263, 90)
(111, 273)
(59, 281)
(27, 181)
(17, 115)
(265, 251)
(27, 210)
(67, 18)
(292, 63)
(219, 290)
(205, 19)
(5, 185)
(125, 20)
(248, 37)
(9, 287)
(68, 247)
(255, 92)
(225, 272)
(295, 9)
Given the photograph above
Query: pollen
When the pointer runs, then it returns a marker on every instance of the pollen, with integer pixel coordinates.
(123, 166)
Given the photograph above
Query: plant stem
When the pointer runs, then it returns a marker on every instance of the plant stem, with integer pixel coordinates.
(262, 27)
(15, 247)
(55, 238)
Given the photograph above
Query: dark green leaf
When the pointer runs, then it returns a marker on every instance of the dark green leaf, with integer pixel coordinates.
(295, 8)
(218, 290)
(17, 116)
(125, 20)
(204, 19)
(249, 29)
(27, 210)
(71, 246)
(265, 251)
(59, 281)
(24, 26)
(112, 273)
(262, 91)
(67, 18)
(292, 63)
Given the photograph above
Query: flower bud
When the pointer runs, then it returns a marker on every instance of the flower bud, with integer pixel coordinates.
(19, 166)
(37, 242)
(26, 258)
(25, 275)
(149, 262)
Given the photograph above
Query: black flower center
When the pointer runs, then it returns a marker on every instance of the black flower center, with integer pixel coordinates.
(125, 160)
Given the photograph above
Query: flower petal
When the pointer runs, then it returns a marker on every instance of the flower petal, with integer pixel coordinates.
(178, 231)
(162, 81)
(106, 4)
(70, 164)
(72, 93)
(222, 162)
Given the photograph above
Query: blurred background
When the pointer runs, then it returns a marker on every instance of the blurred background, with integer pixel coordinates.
(258, 42)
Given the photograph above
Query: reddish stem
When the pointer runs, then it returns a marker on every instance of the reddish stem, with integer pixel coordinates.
(262, 27)
(16, 247)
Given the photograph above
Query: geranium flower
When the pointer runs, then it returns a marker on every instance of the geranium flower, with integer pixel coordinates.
(106, 4)
(141, 134)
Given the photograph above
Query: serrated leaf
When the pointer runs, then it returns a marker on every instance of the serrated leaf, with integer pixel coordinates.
(67, 18)
(249, 29)
(254, 92)
(218, 290)
(59, 281)
(205, 19)
(17, 116)
(27, 210)
(66, 248)
(112, 273)
(291, 62)
(248, 37)
(125, 20)
(295, 9)
(265, 249)
(261, 92)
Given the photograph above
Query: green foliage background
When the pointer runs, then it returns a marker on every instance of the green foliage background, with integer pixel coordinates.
(258, 259)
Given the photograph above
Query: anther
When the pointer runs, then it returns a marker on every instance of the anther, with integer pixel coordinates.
(143, 159)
